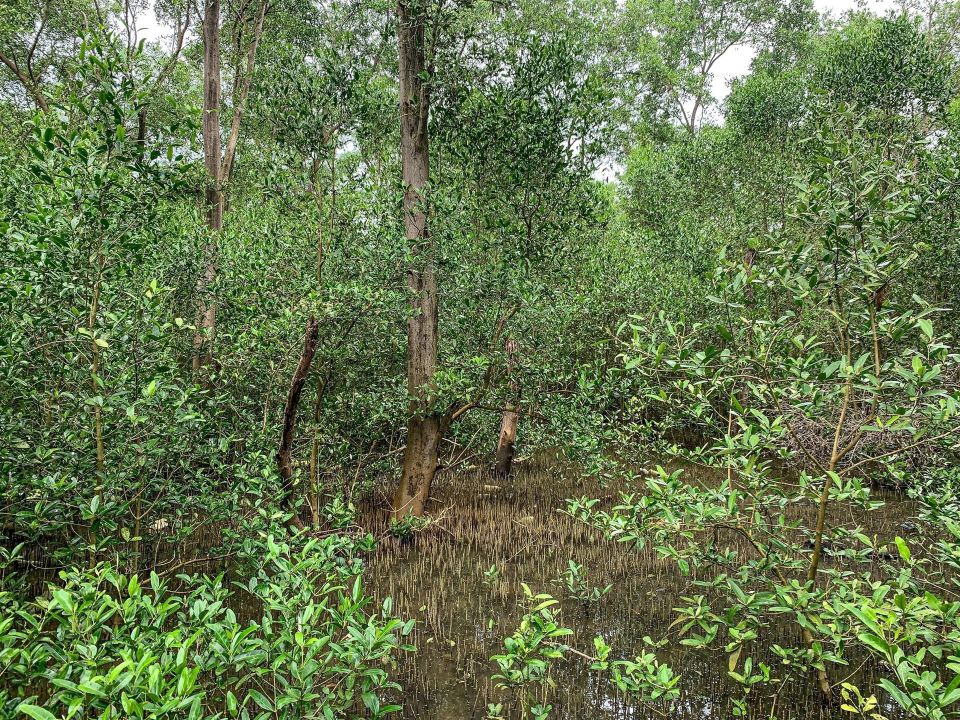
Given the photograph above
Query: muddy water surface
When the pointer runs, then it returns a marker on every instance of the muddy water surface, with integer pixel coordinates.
(438, 579)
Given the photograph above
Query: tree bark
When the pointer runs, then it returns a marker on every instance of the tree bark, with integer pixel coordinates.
(219, 166)
(207, 307)
(242, 90)
(426, 426)
(506, 444)
(285, 451)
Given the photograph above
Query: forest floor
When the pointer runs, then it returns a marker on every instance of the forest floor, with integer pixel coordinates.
(438, 578)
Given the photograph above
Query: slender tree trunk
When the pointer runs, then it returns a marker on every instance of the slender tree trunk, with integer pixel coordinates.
(506, 444)
(95, 366)
(835, 457)
(97, 389)
(219, 166)
(207, 308)
(322, 381)
(241, 90)
(285, 451)
(425, 427)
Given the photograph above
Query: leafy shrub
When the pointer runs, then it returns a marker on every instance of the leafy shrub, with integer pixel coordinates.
(101, 644)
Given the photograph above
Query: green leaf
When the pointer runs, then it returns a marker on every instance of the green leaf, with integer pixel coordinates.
(36, 712)
(261, 700)
(902, 548)
(896, 693)
(877, 643)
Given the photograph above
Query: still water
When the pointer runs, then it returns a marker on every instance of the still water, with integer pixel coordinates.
(438, 579)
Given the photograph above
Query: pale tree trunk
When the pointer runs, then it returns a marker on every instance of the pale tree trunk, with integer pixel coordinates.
(322, 381)
(425, 427)
(219, 167)
(506, 444)
(207, 310)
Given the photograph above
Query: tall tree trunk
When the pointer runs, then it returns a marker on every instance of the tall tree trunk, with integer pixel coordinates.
(207, 309)
(425, 427)
(319, 192)
(219, 168)
(506, 444)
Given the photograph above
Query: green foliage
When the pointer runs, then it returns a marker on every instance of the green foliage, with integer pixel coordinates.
(101, 643)
(406, 527)
(576, 586)
(531, 651)
(675, 44)
(644, 678)
(772, 296)
(491, 576)
(822, 357)
(884, 64)
(854, 702)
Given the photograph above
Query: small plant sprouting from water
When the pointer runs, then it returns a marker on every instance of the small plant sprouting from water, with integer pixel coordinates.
(531, 651)
(491, 576)
(747, 678)
(577, 587)
(857, 705)
(494, 712)
(408, 526)
(644, 678)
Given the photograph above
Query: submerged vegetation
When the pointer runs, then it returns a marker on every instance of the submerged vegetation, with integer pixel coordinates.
(442, 359)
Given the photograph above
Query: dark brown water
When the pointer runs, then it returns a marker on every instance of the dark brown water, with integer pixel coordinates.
(438, 579)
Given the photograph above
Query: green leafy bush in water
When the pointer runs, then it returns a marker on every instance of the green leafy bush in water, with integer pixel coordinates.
(577, 587)
(531, 651)
(102, 644)
(824, 362)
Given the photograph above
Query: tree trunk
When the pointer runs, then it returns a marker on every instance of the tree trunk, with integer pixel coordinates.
(506, 445)
(241, 89)
(207, 308)
(322, 382)
(425, 427)
(420, 460)
(285, 451)
(219, 169)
